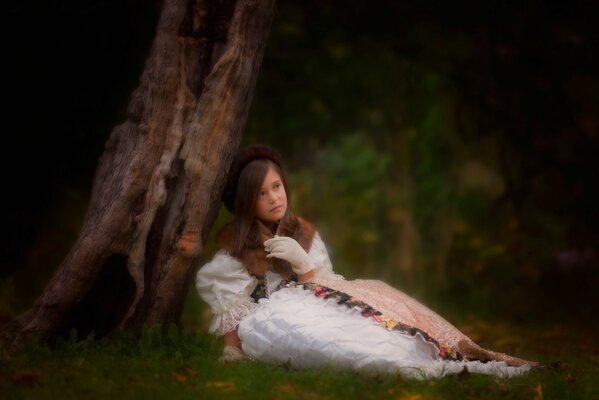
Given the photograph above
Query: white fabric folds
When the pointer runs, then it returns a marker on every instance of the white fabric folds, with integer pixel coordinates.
(296, 328)
(226, 286)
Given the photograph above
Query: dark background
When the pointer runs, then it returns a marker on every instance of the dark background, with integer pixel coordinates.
(447, 147)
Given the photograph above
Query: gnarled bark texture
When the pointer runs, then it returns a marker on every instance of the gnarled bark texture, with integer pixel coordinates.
(157, 188)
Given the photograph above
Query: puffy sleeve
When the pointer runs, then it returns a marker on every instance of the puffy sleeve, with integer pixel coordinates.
(319, 255)
(226, 286)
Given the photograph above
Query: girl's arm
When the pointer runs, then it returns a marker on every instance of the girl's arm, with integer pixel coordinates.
(231, 338)
(232, 350)
(226, 286)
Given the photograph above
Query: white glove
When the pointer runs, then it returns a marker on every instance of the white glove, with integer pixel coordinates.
(231, 354)
(288, 249)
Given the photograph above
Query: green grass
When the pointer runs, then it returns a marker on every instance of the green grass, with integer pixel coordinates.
(185, 366)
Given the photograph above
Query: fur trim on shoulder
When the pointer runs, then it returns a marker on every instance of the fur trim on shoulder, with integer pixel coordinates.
(254, 259)
(305, 233)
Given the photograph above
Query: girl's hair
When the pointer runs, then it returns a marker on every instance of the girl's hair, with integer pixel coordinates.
(249, 185)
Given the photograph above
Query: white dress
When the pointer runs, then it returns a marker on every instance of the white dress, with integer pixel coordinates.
(327, 323)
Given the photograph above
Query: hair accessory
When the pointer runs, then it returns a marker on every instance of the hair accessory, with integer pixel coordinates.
(241, 159)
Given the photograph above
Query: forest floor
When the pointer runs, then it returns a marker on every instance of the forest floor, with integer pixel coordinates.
(184, 366)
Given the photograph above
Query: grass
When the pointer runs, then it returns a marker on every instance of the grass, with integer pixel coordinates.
(185, 366)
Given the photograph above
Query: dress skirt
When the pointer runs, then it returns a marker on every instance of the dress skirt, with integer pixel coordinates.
(312, 325)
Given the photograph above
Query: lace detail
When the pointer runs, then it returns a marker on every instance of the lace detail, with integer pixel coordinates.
(368, 311)
(400, 307)
(332, 276)
(300, 330)
(226, 285)
(229, 320)
(405, 309)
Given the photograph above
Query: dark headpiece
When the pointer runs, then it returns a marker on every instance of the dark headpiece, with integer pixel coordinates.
(242, 158)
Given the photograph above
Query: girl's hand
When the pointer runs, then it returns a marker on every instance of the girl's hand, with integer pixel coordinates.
(288, 249)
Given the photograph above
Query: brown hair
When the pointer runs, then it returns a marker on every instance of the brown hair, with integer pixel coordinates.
(249, 184)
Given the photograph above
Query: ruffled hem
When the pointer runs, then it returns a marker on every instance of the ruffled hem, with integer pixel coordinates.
(442, 368)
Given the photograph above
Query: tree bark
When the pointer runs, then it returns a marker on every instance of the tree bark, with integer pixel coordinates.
(157, 188)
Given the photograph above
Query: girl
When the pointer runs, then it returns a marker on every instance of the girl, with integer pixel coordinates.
(275, 297)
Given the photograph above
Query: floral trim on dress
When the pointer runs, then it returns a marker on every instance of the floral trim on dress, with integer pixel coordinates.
(370, 312)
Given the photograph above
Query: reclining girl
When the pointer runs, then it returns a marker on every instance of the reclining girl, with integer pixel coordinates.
(275, 297)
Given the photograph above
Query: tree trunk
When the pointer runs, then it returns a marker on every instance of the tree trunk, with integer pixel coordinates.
(157, 188)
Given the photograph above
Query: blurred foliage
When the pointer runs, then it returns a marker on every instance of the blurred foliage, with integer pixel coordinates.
(344, 188)
(448, 148)
(449, 152)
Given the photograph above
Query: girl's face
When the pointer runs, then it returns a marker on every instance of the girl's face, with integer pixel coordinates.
(272, 199)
